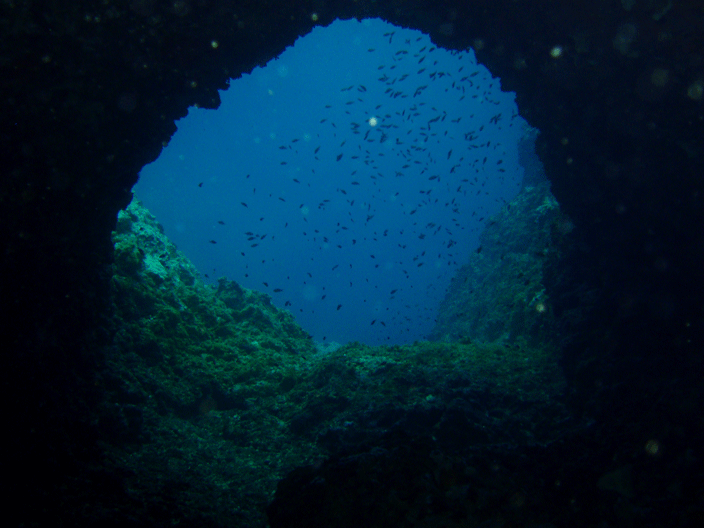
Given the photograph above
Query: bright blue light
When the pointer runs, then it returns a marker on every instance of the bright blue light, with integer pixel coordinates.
(339, 213)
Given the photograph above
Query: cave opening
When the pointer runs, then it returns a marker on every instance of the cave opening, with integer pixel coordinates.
(349, 179)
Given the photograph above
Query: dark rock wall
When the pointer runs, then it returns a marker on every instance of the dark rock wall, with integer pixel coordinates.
(499, 294)
(90, 91)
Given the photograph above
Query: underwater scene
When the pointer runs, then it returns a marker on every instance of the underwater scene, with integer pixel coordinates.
(353, 264)
(335, 261)
(352, 185)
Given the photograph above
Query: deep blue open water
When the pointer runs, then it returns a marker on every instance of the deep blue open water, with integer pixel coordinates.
(348, 179)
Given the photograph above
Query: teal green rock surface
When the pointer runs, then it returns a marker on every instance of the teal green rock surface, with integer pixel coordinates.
(214, 391)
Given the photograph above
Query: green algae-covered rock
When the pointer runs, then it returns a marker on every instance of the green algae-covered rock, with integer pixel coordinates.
(214, 392)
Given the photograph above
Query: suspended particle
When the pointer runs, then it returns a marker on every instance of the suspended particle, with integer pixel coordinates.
(556, 52)
(695, 91)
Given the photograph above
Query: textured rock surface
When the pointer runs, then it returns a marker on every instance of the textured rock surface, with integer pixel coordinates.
(90, 91)
(213, 392)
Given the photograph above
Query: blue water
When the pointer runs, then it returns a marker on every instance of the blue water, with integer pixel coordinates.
(289, 189)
